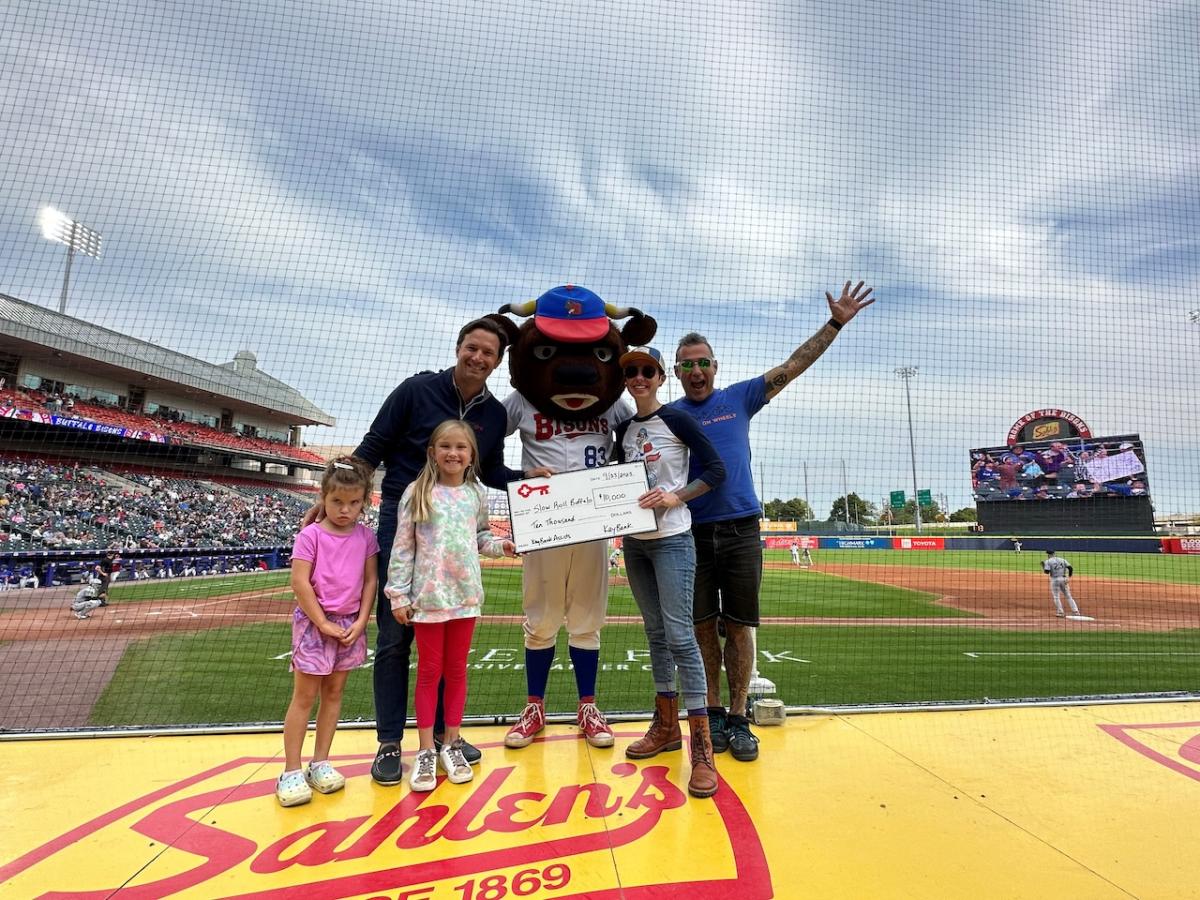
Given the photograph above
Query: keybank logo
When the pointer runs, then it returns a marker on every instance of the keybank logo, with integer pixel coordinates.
(513, 832)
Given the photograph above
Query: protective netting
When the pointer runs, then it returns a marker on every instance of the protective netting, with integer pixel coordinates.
(279, 211)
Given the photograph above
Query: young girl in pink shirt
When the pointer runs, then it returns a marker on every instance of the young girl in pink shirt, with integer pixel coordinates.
(334, 579)
(434, 584)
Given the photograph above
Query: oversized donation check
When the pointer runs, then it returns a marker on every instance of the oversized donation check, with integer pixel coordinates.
(573, 507)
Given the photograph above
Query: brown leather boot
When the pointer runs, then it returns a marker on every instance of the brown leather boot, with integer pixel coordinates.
(664, 731)
(703, 782)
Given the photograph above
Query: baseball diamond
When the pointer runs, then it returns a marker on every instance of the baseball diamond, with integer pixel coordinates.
(46, 655)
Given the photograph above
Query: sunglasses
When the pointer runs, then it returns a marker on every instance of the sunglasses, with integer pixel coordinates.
(688, 364)
(647, 372)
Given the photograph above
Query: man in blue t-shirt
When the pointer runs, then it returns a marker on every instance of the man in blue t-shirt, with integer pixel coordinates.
(725, 520)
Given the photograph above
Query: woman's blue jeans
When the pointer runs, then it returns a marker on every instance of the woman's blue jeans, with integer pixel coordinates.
(661, 576)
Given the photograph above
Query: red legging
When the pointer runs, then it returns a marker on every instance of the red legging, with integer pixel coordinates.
(442, 649)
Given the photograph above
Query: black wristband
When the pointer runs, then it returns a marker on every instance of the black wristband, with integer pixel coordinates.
(835, 324)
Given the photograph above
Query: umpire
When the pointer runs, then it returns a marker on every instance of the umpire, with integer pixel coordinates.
(105, 567)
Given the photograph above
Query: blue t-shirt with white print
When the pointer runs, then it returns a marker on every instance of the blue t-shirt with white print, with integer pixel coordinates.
(725, 417)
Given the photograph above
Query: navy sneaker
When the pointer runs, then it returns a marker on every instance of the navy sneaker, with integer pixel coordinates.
(742, 743)
(470, 752)
(387, 769)
(718, 728)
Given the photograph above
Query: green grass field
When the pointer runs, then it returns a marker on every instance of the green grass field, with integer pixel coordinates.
(239, 674)
(196, 588)
(1173, 569)
(783, 594)
(232, 675)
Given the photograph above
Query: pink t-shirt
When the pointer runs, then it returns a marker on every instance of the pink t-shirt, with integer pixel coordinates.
(338, 563)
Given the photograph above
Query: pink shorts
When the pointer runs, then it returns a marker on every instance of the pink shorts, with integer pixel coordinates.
(316, 653)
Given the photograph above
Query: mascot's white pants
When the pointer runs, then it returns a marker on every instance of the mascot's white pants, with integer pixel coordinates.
(565, 585)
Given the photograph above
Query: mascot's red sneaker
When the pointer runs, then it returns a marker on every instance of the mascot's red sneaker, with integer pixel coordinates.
(593, 725)
(532, 722)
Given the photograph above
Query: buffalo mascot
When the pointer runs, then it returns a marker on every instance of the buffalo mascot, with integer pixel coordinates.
(564, 365)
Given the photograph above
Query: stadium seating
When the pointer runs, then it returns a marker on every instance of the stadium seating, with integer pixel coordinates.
(191, 433)
(59, 504)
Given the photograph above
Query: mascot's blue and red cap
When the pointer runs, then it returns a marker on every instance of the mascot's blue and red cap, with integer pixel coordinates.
(566, 360)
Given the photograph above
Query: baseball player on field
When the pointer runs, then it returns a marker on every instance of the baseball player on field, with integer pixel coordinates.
(1060, 572)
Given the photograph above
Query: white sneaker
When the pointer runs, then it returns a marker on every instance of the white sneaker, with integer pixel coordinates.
(323, 777)
(292, 789)
(423, 776)
(454, 764)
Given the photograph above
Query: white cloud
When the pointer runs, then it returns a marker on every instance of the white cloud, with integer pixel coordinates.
(345, 185)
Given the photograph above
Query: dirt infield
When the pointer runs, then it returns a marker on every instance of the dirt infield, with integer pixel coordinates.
(54, 667)
(1003, 600)
(1020, 600)
(46, 613)
(58, 665)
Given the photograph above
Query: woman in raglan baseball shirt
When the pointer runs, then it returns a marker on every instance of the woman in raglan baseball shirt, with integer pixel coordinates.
(662, 565)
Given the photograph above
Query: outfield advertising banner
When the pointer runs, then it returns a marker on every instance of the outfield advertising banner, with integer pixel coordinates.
(1186, 545)
(765, 525)
(919, 543)
(859, 543)
(804, 542)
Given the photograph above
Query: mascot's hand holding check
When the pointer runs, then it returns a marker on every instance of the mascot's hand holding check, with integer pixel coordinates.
(564, 364)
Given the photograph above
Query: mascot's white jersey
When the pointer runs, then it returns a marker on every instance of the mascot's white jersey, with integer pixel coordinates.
(564, 446)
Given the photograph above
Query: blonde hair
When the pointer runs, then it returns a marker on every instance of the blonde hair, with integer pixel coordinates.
(347, 472)
(420, 501)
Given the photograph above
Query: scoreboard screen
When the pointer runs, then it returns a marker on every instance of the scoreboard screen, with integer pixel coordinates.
(1068, 469)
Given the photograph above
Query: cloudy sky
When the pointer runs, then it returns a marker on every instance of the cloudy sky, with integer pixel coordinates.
(338, 186)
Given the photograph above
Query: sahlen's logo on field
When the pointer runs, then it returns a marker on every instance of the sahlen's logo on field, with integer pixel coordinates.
(1184, 737)
(525, 827)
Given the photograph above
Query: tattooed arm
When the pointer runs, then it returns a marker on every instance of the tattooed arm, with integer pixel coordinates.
(841, 311)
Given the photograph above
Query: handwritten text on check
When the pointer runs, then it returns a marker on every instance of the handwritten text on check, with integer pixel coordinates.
(574, 507)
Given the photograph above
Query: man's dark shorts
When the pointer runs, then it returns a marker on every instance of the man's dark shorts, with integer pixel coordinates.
(728, 571)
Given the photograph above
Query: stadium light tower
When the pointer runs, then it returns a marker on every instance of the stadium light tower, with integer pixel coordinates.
(58, 226)
(807, 502)
(846, 494)
(908, 373)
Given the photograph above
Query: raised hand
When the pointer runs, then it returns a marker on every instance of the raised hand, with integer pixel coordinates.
(847, 306)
